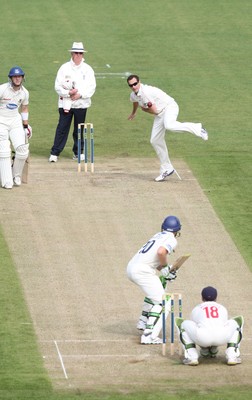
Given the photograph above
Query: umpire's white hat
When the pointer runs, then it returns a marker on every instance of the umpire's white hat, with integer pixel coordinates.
(77, 47)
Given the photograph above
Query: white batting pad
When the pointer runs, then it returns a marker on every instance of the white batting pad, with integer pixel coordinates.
(5, 171)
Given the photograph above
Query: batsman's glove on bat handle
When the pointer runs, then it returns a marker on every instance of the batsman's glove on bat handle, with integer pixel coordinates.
(172, 276)
(166, 275)
(28, 131)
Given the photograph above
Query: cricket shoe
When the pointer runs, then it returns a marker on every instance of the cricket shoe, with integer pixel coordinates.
(204, 134)
(192, 363)
(53, 158)
(163, 176)
(233, 360)
(17, 180)
(8, 185)
(149, 340)
(82, 157)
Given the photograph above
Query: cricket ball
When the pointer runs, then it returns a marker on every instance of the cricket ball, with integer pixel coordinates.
(149, 104)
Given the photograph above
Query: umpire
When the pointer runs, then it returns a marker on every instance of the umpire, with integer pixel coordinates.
(83, 85)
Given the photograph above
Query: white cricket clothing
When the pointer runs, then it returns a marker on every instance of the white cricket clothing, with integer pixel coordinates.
(11, 127)
(166, 119)
(151, 94)
(142, 267)
(11, 100)
(209, 325)
(83, 78)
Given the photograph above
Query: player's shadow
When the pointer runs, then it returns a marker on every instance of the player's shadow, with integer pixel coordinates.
(123, 328)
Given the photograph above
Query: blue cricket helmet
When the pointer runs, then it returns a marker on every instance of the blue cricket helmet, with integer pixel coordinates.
(171, 224)
(16, 71)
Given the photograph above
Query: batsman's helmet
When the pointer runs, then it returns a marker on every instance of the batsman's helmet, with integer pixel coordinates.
(171, 224)
(16, 71)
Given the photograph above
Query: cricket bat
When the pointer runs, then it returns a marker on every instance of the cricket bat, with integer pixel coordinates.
(26, 166)
(179, 262)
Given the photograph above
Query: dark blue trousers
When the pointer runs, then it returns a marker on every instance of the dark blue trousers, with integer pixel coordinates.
(63, 128)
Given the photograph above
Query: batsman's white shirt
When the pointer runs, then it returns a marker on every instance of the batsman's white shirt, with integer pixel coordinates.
(84, 80)
(10, 119)
(141, 269)
(209, 325)
(11, 100)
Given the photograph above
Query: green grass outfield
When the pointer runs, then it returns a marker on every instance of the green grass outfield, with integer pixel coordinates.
(199, 51)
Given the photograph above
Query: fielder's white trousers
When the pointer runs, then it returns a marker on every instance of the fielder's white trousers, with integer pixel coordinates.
(167, 121)
(210, 336)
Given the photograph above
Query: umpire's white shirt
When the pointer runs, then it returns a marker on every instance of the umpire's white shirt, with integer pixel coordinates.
(84, 79)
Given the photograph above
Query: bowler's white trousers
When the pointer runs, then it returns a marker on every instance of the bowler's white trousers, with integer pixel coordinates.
(167, 121)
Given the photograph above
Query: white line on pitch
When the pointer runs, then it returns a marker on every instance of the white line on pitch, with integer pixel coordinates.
(84, 340)
(101, 355)
(61, 360)
(113, 73)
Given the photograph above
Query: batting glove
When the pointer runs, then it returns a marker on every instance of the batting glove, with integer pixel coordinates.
(28, 131)
(166, 270)
(172, 276)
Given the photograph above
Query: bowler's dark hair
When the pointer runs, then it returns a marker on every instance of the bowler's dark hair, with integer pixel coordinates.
(132, 77)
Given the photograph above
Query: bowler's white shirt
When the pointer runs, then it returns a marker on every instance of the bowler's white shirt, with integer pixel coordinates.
(151, 94)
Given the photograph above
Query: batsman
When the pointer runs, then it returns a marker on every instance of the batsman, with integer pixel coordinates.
(14, 128)
(142, 270)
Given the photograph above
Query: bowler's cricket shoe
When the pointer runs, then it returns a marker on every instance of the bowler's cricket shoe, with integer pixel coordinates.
(204, 134)
(163, 176)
